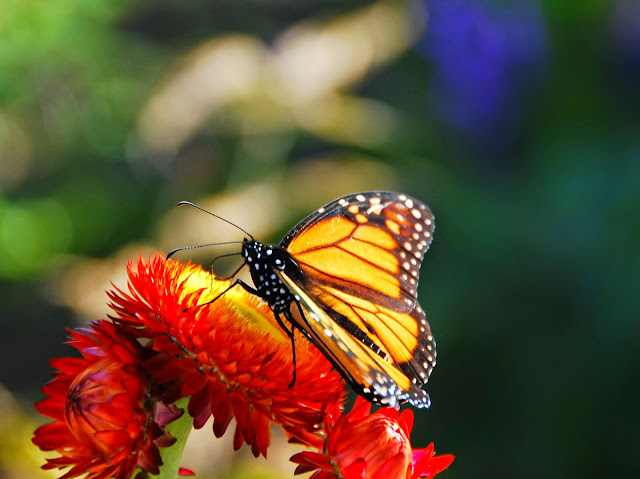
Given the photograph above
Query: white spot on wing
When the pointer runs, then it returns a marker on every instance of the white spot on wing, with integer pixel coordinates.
(375, 209)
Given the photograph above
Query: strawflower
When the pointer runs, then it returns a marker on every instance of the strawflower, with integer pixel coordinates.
(106, 422)
(229, 356)
(361, 445)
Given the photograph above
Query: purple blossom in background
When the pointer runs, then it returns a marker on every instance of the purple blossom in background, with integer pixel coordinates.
(626, 34)
(484, 56)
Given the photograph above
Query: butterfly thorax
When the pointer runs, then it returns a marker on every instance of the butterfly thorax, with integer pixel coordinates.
(263, 261)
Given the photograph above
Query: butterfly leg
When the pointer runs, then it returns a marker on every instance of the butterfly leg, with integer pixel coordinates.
(232, 285)
(290, 334)
(290, 318)
(287, 314)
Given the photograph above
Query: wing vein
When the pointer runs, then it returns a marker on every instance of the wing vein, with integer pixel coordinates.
(361, 258)
(375, 331)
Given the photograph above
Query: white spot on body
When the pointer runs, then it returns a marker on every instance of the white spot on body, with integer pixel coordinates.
(360, 198)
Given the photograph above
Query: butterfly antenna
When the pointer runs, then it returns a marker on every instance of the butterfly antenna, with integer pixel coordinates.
(219, 217)
(172, 252)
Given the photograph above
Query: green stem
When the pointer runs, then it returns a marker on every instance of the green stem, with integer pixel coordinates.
(171, 456)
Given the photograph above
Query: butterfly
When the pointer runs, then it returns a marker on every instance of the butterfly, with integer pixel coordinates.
(347, 277)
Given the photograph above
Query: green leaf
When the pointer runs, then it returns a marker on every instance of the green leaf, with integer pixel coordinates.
(171, 456)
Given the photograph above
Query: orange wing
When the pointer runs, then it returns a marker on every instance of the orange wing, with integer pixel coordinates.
(360, 257)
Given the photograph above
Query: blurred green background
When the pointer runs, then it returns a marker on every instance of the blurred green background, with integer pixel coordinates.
(516, 121)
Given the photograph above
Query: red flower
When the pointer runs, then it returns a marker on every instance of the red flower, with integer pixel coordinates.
(229, 356)
(105, 424)
(360, 445)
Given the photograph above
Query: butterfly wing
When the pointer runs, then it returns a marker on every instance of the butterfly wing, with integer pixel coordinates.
(359, 257)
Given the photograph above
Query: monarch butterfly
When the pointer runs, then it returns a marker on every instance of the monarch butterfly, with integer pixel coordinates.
(347, 276)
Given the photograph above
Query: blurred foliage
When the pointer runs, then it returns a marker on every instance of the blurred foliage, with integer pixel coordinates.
(516, 121)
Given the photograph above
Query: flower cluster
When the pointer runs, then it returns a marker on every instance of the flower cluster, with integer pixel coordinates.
(173, 334)
(484, 59)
